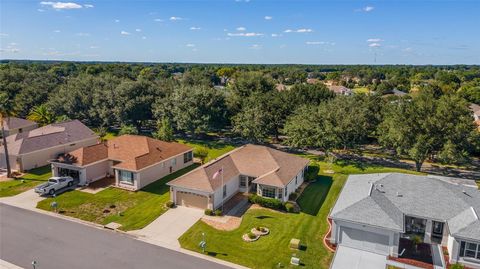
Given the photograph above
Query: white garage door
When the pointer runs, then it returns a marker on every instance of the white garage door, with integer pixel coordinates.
(360, 239)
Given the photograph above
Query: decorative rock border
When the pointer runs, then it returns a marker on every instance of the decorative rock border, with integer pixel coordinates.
(248, 239)
(260, 233)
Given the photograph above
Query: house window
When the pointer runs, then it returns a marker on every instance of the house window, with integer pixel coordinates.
(224, 191)
(243, 181)
(286, 191)
(296, 180)
(20, 130)
(280, 193)
(268, 192)
(187, 157)
(469, 250)
(125, 177)
(174, 162)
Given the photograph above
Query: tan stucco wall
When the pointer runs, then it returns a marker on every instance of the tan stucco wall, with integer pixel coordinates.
(97, 171)
(41, 157)
(232, 189)
(24, 129)
(160, 170)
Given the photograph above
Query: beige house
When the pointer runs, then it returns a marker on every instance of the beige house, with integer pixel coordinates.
(249, 169)
(13, 125)
(35, 148)
(135, 161)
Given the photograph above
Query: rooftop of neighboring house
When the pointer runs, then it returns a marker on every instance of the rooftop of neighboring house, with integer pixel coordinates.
(475, 109)
(132, 152)
(12, 123)
(269, 166)
(48, 136)
(339, 89)
(382, 200)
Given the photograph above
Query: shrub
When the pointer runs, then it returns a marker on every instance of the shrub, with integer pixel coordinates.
(457, 266)
(265, 202)
(312, 172)
(201, 153)
(293, 196)
(170, 204)
(218, 212)
(208, 212)
(289, 207)
(251, 235)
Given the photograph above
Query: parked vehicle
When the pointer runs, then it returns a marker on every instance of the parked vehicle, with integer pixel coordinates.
(54, 184)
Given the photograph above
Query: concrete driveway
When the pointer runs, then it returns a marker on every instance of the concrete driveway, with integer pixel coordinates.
(351, 258)
(167, 228)
(26, 200)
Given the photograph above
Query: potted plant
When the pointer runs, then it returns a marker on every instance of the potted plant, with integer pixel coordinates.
(416, 240)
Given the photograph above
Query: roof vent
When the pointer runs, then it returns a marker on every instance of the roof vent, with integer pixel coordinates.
(399, 194)
(159, 149)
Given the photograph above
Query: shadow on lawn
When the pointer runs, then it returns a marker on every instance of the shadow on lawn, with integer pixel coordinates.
(264, 217)
(314, 195)
(215, 254)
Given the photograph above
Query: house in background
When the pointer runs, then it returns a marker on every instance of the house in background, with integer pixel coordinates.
(249, 169)
(14, 125)
(476, 114)
(381, 213)
(340, 90)
(35, 148)
(135, 161)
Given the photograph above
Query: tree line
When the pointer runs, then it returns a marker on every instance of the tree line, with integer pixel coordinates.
(433, 121)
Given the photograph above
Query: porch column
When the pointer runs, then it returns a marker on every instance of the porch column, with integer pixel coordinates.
(428, 232)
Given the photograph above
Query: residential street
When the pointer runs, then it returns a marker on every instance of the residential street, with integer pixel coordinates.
(57, 243)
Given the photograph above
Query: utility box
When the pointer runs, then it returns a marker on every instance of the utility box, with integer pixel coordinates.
(295, 243)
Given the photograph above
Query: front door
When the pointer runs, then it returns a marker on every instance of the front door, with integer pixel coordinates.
(437, 229)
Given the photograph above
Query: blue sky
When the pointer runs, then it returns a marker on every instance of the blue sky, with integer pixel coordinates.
(243, 31)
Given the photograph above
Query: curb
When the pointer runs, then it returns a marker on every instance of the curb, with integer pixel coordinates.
(6, 265)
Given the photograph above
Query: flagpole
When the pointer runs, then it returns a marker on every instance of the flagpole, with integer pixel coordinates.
(223, 198)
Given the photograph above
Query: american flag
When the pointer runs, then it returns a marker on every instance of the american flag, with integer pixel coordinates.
(219, 172)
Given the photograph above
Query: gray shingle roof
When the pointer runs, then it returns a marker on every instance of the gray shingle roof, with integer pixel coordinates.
(48, 136)
(16, 123)
(395, 194)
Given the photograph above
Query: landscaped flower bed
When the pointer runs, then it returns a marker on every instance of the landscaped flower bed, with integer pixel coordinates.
(260, 231)
(250, 237)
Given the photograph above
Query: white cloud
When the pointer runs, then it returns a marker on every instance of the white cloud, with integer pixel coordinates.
(374, 40)
(240, 1)
(256, 46)
(2, 35)
(374, 45)
(368, 8)
(94, 47)
(124, 33)
(245, 34)
(82, 34)
(10, 50)
(241, 28)
(193, 28)
(61, 5)
(276, 35)
(41, 10)
(88, 6)
(268, 18)
(158, 20)
(56, 31)
(173, 18)
(144, 37)
(301, 30)
(407, 50)
(320, 43)
(190, 45)
(138, 30)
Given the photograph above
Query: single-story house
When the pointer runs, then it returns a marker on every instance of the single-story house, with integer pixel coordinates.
(35, 148)
(135, 161)
(249, 169)
(13, 125)
(476, 114)
(340, 90)
(375, 212)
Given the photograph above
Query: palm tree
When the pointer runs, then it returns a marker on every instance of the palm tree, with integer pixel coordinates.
(5, 113)
(41, 114)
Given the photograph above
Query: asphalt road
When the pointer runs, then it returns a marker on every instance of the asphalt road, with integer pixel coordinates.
(57, 243)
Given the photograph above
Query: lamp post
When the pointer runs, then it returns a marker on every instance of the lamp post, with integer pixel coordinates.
(34, 263)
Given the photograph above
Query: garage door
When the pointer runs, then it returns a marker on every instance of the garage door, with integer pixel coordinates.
(360, 239)
(191, 199)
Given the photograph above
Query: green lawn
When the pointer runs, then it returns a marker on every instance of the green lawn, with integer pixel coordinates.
(133, 210)
(28, 181)
(215, 148)
(309, 226)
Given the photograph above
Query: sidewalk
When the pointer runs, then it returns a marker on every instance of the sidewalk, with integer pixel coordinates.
(7, 265)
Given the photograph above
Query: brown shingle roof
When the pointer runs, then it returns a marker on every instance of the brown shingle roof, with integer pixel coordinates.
(48, 136)
(16, 123)
(133, 152)
(271, 167)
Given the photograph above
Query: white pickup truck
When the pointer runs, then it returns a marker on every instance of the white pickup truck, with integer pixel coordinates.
(54, 184)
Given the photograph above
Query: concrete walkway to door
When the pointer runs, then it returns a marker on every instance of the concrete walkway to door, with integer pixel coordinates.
(167, 228)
